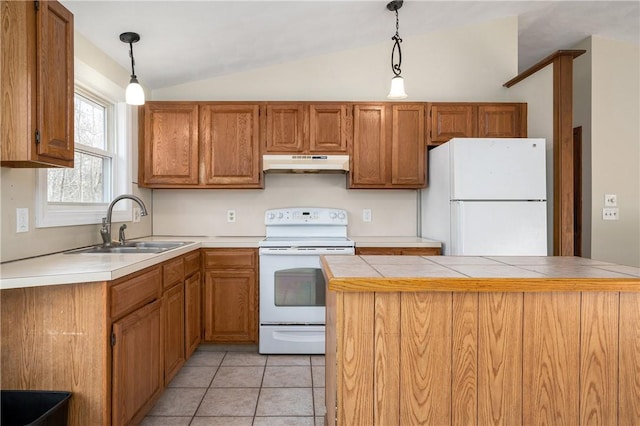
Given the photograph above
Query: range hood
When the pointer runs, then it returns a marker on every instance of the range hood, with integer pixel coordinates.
(305, 163)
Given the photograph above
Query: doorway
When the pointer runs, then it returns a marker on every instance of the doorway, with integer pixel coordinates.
(577, 191)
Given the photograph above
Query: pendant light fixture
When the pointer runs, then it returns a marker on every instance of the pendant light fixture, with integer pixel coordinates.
(134, 94)
(397, 82)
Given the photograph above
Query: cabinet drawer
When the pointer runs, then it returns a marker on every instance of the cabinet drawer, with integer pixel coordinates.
(229, 258)
(191, 263)
(172, 272)
(131, 293)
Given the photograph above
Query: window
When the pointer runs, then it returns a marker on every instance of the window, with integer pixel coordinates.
(81, 195)
(89, 181)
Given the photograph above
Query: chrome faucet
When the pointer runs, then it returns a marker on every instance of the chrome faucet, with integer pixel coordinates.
(105, 230)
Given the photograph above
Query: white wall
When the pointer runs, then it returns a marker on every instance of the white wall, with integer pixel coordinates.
(615, 149)
(19, 185)
(462, 64)
(537, 91)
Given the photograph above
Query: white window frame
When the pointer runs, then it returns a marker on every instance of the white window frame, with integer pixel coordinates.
(120, 121)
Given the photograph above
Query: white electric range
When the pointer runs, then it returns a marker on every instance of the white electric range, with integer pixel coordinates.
(292, 286)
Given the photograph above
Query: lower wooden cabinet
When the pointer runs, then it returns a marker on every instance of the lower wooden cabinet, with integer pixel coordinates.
(174, 330)
(193, 313)
(230, 295)
(398, 251)
(137, 376)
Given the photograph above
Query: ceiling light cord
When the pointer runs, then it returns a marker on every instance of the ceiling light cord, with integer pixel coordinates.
(395, 67)
(133, 62)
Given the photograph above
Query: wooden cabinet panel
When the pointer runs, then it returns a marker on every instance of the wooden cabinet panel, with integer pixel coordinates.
(137, 369)
(173, 305)
(500, 121)
(408, 162)
(37, 84)
(131, 292)
(328, 128)
(193, 313)
(229, 258)
(475, 120)
(230, 306)
(231, 145)
(451, 121)
(172, 272)
(191, 263)
(388, 146)
(369, 152)
(285, 128)
(169, 149)
(398, 251)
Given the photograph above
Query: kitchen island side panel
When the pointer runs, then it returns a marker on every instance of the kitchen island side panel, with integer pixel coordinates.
(556, 357)
(55, 338)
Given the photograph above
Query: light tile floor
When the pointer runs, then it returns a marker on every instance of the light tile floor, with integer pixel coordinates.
(236, 386)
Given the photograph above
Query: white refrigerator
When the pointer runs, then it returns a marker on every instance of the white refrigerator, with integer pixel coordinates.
(487, 197)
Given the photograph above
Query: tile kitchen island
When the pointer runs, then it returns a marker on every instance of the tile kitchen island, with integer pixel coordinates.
(478, 340)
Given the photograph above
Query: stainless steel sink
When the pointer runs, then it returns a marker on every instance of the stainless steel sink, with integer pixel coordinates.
(132, 247)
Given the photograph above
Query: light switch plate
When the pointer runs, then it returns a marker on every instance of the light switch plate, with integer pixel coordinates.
(366, 215)
(610, 200)
(610, 213)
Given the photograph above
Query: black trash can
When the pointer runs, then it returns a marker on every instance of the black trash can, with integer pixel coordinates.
(34, 408)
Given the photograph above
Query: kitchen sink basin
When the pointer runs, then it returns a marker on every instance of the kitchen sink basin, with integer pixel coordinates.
(132, 247)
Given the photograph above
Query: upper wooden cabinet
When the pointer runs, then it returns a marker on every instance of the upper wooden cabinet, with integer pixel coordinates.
(481, 120)
(202, 145)
(307, 128)
(230, 138)
(388, 146)
(169, 148)
(37, 84)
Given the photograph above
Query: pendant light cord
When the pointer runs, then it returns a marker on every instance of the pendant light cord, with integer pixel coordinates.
(133, 72)
(396, 38)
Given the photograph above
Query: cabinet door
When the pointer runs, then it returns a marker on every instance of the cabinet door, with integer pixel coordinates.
(408, 161)
(328, 128)
(448, 121)
(54, 26)
(193, 313)
(36, 53)
(169, 155)
(173, 305)
(369, 159)
(230, 306)
(231, 145)
(137, 371)
(501, 121)
(285, 128)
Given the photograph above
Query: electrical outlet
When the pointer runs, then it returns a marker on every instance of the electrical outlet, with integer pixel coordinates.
(22, 219)
(231, 216)
(366, 215)
(610, 213)
(610, 200)
(136, 215)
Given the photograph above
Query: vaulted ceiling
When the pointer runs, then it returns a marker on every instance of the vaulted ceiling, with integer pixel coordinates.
(184, 41)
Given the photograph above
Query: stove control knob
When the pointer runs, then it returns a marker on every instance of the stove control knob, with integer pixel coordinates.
(270, 216)
(280, 215)
(333, 215)
(341, 215)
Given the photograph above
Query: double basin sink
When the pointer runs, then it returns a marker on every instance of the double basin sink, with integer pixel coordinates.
(132, 247)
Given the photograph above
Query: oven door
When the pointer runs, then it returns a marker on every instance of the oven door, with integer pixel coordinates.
(292, 286)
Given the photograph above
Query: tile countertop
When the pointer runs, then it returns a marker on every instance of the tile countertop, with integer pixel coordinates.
(477, 274)
(63, 268)
(60, 268)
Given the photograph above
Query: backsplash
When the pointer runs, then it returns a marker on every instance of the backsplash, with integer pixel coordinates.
(204, 212)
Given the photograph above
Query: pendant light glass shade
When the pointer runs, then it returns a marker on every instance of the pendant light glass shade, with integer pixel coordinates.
(134, 94)
(397, 88)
